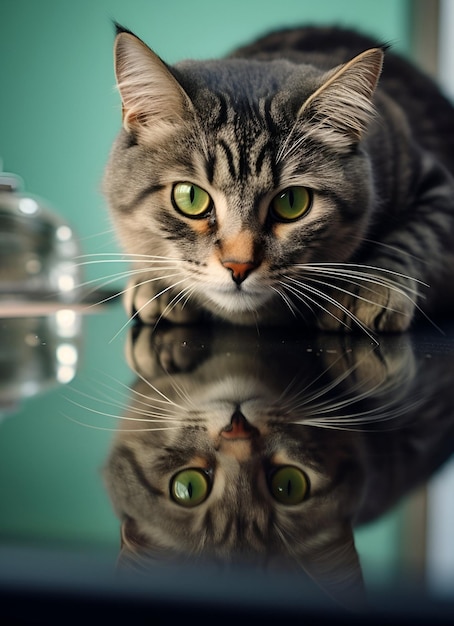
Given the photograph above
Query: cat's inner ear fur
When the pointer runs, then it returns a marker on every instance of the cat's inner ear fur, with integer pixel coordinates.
(152, 98)
(341, 108)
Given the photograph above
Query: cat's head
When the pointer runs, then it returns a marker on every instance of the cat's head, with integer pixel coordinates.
(238, 171)
(225, 462)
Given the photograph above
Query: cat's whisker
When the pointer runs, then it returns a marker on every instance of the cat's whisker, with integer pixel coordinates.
(147, 303)
(362, 279)
(304, 298)
(293, 309)
(347, 291)
(128, 288)
(375, 272)
(302, 295)
(183, 294)
(341, 271)
(119, 257)
(400, 252)
(365, 282)
(103, 281)
(187, 296)
(102, 233)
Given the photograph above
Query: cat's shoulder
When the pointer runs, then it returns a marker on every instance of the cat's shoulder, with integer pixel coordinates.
(333, 41)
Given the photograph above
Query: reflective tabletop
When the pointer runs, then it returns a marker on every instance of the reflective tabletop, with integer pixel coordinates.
(212, 470)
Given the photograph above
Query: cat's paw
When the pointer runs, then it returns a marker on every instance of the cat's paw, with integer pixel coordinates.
(150, 302)
(378, 308)
(169, 349)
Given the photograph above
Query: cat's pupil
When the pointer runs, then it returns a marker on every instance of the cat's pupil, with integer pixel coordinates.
(192, 194)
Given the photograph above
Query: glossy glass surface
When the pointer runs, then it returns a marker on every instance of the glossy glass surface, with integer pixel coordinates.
(92, 416)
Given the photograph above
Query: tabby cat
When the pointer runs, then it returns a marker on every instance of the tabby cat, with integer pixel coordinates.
(266, 452)
(292, 180)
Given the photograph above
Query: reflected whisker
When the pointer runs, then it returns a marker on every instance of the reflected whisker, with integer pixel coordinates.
(160, 393)
(115, 416)
(115, 430)
(139, 398)
(290, 403)
(352, 422)
(158, 414)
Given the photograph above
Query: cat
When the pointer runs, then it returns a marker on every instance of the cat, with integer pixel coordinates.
(351, 428)
(293, 181)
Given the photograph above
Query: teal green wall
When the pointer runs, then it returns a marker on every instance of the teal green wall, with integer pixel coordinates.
(58, 116)
(59, 110)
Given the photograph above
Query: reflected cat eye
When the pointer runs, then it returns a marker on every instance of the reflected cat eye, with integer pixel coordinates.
(190, 487)
(291, 204)
(191, 200)
(288, 485)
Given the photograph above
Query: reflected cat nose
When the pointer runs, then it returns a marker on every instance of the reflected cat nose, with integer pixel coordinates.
(240, 271)
(239, 428)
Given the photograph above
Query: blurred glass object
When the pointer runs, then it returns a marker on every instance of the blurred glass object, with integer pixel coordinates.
(37, 354)
(38, 248)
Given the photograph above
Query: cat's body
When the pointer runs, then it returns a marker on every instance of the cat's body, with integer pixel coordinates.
(283, 184)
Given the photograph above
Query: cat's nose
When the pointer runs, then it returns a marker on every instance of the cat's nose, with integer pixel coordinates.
(239, 428)
(240, 270)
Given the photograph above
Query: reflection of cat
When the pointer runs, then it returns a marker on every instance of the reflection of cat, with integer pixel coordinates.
(237, 408)
(282, 182)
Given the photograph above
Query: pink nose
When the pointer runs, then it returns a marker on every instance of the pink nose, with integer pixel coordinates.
(240, 271)
(239, 428)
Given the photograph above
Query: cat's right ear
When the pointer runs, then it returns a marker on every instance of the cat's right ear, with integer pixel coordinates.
(153, 101)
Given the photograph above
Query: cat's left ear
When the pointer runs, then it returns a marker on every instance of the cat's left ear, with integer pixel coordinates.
(153, 100)
(341, 108)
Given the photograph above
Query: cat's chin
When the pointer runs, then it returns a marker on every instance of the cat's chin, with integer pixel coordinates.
(236, 301)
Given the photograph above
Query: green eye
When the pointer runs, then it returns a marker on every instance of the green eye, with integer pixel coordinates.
(288, 485)
(291, 204)
(191, 200)
(190, 487)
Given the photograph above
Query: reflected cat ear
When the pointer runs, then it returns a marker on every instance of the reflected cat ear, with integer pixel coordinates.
(130, 537)
(152, 98)
(341, 108)
(334, 565)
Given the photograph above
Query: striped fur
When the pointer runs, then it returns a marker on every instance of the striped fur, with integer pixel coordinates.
(296, 108)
